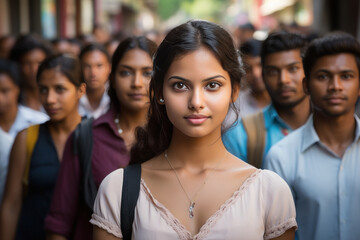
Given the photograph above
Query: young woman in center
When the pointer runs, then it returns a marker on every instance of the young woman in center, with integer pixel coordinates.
(191, 186)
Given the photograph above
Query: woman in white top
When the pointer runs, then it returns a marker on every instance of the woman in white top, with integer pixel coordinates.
(191, 186)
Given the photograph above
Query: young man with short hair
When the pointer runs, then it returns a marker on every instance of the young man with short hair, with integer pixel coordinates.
(320, 161)
(96, 67)
(282, 71)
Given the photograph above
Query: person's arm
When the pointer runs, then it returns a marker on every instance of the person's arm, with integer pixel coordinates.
(12, 200)
(107, 207)
(54, 236)
(280, 213)
(288, 235)
(101, 234)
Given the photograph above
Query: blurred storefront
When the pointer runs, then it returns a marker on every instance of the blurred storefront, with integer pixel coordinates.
(69, 18)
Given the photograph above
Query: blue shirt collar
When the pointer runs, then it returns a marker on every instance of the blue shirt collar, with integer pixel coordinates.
(271, 115)
(310, 136)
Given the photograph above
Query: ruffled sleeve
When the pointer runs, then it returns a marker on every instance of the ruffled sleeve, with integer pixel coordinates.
(107, 204)
(280, 213)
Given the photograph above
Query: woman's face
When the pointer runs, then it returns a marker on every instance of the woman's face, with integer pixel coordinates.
(9, 94)
(58, 95)
(197, 93)
(132, 78)
(29, 64)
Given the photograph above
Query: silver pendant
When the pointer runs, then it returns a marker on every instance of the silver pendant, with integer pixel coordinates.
(191, 209)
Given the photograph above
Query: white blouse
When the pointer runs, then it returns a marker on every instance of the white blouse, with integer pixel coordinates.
(262, 208)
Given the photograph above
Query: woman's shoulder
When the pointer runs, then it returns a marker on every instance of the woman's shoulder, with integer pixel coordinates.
(115, 178)
(110, 188)
(272, 183)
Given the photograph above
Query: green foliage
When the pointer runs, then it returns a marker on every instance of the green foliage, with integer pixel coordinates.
(212, 10)
(167, 8)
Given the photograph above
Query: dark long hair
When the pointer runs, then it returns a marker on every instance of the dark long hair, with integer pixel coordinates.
(139, 42)
(155, 137)
(67, 64)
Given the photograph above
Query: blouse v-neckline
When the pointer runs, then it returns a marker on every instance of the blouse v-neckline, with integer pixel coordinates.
(179, 228)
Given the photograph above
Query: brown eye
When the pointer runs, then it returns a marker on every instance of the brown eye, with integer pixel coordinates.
(213, 86)
(179, 86)
(124, 73)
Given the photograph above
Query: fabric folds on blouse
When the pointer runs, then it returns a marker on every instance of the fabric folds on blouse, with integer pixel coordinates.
(262, 208)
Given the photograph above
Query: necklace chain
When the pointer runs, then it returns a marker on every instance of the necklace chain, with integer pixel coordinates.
(191, 201)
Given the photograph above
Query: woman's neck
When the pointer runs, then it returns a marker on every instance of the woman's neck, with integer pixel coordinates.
(196, 153)
(94, 96)
(130, 120)
(67, 125)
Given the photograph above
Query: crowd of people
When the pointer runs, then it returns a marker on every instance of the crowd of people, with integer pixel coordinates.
(203, 134)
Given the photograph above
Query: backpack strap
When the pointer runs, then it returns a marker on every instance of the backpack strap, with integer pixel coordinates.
(129, 197)
(256, 134)
(31, 138)
(83, 144)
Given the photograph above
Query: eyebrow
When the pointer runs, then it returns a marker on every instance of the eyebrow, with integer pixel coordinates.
(126, 66)
(187, 80)
(341, 71)
(287, 65)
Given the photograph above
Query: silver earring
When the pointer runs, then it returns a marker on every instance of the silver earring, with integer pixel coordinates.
(162, 100)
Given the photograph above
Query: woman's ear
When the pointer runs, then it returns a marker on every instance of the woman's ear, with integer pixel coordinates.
(235, 92)
(82, 90)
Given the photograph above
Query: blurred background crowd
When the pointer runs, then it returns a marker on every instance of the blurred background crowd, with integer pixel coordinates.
(103, 20)
(33, 30)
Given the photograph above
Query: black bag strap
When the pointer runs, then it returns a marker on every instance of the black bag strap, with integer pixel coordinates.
(129, 197)
(83, 143)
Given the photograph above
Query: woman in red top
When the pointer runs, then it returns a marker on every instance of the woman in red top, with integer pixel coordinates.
(113, 135)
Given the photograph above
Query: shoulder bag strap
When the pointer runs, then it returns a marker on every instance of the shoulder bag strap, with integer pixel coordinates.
(83, 144)
(31, 138)
(130, 195)
(256, 134)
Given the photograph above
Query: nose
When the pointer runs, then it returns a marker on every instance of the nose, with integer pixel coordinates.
(34, 68)
(257, 71)
(196, 100)
(51, 97)
(284, 77)
(93, 71)
(335, 83)
(138, 81)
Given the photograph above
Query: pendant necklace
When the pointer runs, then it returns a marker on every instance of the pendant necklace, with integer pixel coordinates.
(117, 122)
(191, 201)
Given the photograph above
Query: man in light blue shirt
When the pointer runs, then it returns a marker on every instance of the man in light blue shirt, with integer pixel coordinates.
(282, 71)
(321, 160)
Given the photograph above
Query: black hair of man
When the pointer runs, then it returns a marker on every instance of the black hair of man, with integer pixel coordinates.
(280, 41)
(251, 47)
(94, 47)
(330, 44)
(27, 43)
(247, 26)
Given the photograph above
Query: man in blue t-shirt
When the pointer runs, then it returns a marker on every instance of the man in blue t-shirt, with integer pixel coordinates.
(282, 70)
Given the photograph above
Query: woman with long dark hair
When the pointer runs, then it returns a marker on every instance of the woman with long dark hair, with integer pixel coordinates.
(112, 137)
(191, 187)
(32, 174)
